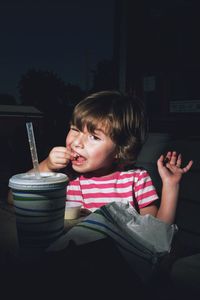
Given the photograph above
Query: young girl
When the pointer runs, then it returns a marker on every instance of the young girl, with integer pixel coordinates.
(106, 133)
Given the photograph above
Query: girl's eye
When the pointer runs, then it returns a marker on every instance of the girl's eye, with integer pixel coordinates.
(94, 137)
(74, 129)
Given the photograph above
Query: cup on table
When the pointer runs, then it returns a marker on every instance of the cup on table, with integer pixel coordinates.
(39, 208)
(72, 210)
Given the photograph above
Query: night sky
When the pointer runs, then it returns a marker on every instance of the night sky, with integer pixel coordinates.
(54, 35)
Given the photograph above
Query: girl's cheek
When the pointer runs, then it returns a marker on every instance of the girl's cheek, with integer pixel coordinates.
(68, 142)
(68, 146)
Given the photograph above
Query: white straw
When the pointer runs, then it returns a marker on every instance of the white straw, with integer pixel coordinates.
(33, 149)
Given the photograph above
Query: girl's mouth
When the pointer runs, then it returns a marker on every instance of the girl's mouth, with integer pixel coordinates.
(75, 156)
(77, 159)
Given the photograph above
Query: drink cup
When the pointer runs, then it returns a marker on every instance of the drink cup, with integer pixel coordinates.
(39, 208)
(72, 210)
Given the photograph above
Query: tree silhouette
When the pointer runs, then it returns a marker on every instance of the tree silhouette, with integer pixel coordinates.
(47, 92)
(42, 89)
(73, 94)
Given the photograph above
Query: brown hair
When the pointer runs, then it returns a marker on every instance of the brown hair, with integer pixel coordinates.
(122, 118)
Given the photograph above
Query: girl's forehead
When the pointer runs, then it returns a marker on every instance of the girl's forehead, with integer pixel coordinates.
(93, 122)
(96, 128)
(101, 124)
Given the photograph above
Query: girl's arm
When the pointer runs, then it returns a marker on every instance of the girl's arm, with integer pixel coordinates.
(171, 173)
(150, 209)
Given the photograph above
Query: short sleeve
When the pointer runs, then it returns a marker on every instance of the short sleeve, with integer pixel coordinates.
(144, 190)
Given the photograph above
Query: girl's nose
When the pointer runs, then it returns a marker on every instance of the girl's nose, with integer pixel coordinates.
(78, 141)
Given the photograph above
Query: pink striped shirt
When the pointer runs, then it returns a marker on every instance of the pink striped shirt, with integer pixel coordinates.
(120, 186)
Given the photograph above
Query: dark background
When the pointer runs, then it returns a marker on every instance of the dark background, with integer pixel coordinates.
(54, 53)
(66, 37)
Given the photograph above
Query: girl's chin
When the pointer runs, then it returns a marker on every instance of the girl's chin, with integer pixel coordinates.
(82, 169)
(78, 167)
(76, 163)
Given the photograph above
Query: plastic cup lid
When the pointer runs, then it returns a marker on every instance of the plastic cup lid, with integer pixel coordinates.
(48, 180)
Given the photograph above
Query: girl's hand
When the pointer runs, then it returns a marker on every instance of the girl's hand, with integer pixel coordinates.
(169, 167)
(58, 158)
(85, 212)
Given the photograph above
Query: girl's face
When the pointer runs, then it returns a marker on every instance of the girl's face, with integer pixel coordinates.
(91, 153)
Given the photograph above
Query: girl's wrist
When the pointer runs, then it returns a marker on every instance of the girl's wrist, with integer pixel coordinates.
(170, 190)
(45, 166)
(170, 183)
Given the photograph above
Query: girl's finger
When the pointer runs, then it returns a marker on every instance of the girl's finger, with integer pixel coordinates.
(173, 158)
(187, 168)
(179, 161)
(167, 158)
